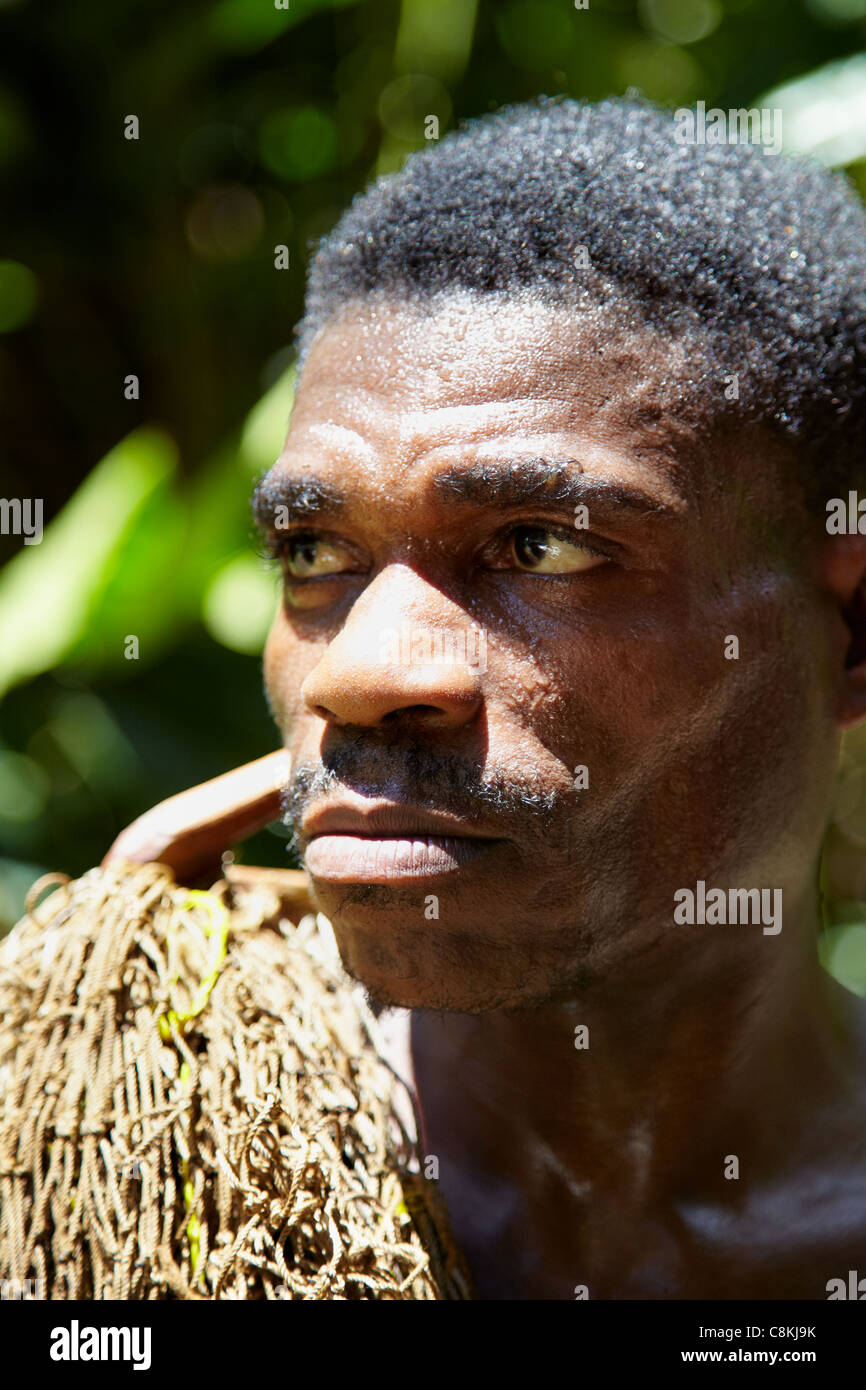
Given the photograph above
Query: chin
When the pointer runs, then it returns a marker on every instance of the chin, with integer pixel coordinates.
(431, 985)
(407, 974)
(453, 964)
(394, 995)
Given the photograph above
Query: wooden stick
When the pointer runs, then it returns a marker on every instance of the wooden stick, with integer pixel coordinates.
(189, 832)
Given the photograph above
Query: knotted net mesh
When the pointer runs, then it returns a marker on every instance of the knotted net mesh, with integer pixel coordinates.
(194, 1106)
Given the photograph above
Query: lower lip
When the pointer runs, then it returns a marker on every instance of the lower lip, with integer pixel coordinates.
(364, 859)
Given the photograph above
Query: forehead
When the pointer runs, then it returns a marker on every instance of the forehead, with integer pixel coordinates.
(462, 349)
(393, 391)
(465, 369)
(519, 344)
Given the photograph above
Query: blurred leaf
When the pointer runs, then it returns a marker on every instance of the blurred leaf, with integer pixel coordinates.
(246, 25)
(840, 11)
(219, 500)
(138, 597)
(129, 556)
(23, 787)
(435, 37)
(824, 113)
(299, 143)
(406, 103)
(16, 879)
(681, 21)
(49, 593)
(89, 737)
(18, 295)
(842, 946)
(265, 427)
(239, 605)
(535, 33)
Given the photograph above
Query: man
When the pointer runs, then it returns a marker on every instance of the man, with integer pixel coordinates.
(561, 668)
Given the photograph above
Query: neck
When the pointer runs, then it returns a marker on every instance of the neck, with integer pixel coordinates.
(719, 1043)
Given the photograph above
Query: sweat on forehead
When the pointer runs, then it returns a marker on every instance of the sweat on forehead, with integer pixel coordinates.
(759, 256)
(503, 402)
(473, 374)
(458, 366)
(458, 349)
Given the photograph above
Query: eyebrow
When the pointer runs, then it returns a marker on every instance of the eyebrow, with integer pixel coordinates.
(304, 498)
(559, 481)
(503, 483)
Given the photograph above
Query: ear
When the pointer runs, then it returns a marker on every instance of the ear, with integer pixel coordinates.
(842, 575)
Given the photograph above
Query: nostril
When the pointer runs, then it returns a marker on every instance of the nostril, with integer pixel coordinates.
(394, 716)
(343, 693)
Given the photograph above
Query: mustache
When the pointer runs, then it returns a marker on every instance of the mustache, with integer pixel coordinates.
(429, 778)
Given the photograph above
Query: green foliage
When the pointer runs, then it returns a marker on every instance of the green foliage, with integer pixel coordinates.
(246, 25)
(60, 596)
(140, 553)
(842, 947)
(135, 553)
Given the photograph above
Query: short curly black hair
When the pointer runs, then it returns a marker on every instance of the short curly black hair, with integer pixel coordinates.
(759, 258)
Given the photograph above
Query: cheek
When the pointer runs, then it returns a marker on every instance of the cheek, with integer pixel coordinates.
(283, 674)
(726, 746)
(609, 697)
(271, 667)
(705, 695)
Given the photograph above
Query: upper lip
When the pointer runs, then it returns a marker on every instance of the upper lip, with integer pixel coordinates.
(386, 819)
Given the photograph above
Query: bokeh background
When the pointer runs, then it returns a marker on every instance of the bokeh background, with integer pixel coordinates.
(155, 258)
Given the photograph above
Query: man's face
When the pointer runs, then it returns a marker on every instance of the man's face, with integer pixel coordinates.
(504, 664)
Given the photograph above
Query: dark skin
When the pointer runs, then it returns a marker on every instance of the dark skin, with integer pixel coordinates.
(605, 1166)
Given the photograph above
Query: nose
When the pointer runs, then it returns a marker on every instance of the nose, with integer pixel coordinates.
(404, 654)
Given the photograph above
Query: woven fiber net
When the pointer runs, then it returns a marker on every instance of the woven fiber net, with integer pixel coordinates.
(193, 1106)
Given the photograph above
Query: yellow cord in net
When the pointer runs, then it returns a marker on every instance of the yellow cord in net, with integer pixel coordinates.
(216, 931)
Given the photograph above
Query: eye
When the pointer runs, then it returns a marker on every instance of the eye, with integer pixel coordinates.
(540, 550)
(307, 556)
